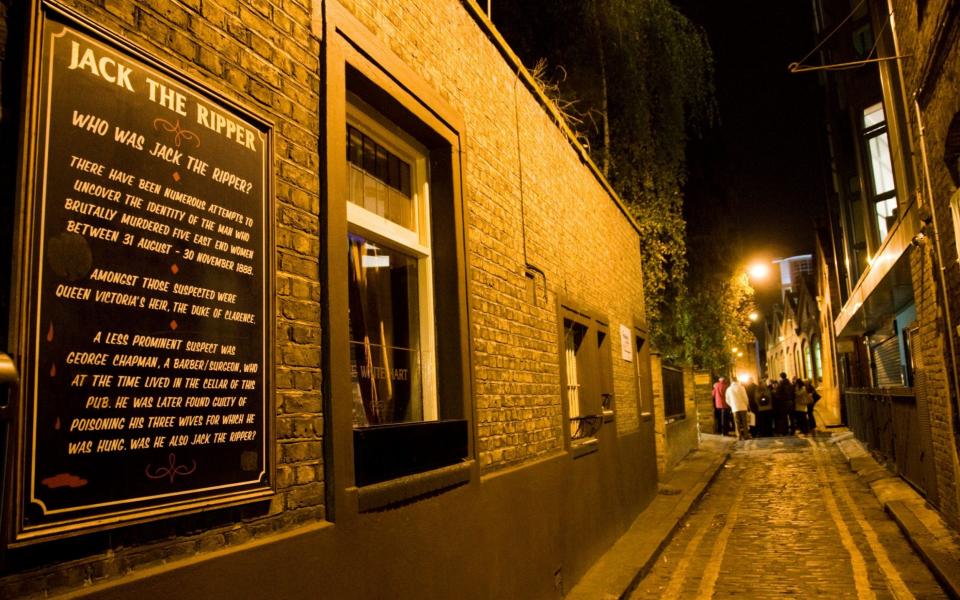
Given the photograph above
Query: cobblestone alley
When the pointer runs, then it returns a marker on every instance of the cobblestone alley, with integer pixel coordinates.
(787, 518)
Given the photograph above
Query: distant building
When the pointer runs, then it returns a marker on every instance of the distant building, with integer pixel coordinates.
(792, 270)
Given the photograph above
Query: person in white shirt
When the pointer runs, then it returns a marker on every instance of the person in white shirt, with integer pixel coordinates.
(738, 402)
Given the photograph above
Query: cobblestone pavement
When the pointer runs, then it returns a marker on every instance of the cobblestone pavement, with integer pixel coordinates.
(787, 518)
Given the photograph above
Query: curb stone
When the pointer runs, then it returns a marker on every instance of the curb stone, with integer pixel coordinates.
(618, 571)
(922, 526)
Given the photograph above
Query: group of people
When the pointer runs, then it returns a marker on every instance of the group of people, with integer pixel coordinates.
(780, 407)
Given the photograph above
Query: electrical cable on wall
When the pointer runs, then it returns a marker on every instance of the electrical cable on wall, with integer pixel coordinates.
(799, 67)
(528, 267)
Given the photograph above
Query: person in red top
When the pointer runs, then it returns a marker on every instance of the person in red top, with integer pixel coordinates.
(721, 412)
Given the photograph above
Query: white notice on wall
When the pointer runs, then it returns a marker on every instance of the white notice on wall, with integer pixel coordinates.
(626, 343)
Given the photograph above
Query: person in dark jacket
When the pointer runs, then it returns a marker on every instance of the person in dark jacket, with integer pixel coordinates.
(765, 408)
(801, 399)
(814, 398)
(783, 406)
(751, 387)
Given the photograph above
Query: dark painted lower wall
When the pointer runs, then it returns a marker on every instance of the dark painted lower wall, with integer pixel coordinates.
(528, 532)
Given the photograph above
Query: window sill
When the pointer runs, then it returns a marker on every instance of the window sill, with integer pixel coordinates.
(389, 452)
(646, 416)
(608, 416)
(584, 447)
(387, 494)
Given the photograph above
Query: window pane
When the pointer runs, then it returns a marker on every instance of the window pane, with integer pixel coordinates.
(369, 155)
(383, 162)
(356, 186)
(393, 171)
(573, 346)
(817, 360)
(886, 215)
(572, 339)
(370, 194)
(405, 178)
(384, 326)
(355, 147)
(880, 164)
(873, 115)
(383, 186)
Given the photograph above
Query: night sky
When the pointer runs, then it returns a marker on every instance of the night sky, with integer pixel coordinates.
(756, 175)
(762, 163)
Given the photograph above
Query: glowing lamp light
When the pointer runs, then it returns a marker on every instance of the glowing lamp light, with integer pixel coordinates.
(734, 349)
(753, 316)
(743, 378)
(758, 270)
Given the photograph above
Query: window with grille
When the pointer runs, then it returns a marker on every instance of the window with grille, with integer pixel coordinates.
(583, 389)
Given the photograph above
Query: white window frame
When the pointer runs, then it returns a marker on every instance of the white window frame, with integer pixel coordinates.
(413, 242)
(871, 133)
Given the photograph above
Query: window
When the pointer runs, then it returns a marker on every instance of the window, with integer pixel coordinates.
(605, 357)
(817, 360)
(392, 364)
(882, 188)
(582, 373)
(574, 336)
(807, 361)
(639, 370)
(673, 400)
(397, 298)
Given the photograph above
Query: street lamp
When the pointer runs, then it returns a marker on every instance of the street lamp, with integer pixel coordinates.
(759, 270)
(753, 316)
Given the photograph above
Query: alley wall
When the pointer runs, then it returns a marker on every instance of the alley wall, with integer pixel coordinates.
(929, 32)
(528, 510)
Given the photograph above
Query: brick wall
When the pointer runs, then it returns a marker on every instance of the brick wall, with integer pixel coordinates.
(674, 439)
(531, 197)
(703, 399)
(683, 434)
(659, 423)
(521, 194)
(916, 36)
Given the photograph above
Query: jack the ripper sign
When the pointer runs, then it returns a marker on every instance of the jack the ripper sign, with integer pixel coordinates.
(148, 361)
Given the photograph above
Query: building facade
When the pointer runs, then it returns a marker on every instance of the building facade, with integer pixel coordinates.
(892, 232)
(307, 298)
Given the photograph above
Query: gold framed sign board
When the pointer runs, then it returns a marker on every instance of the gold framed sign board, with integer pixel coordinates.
(146, 324)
